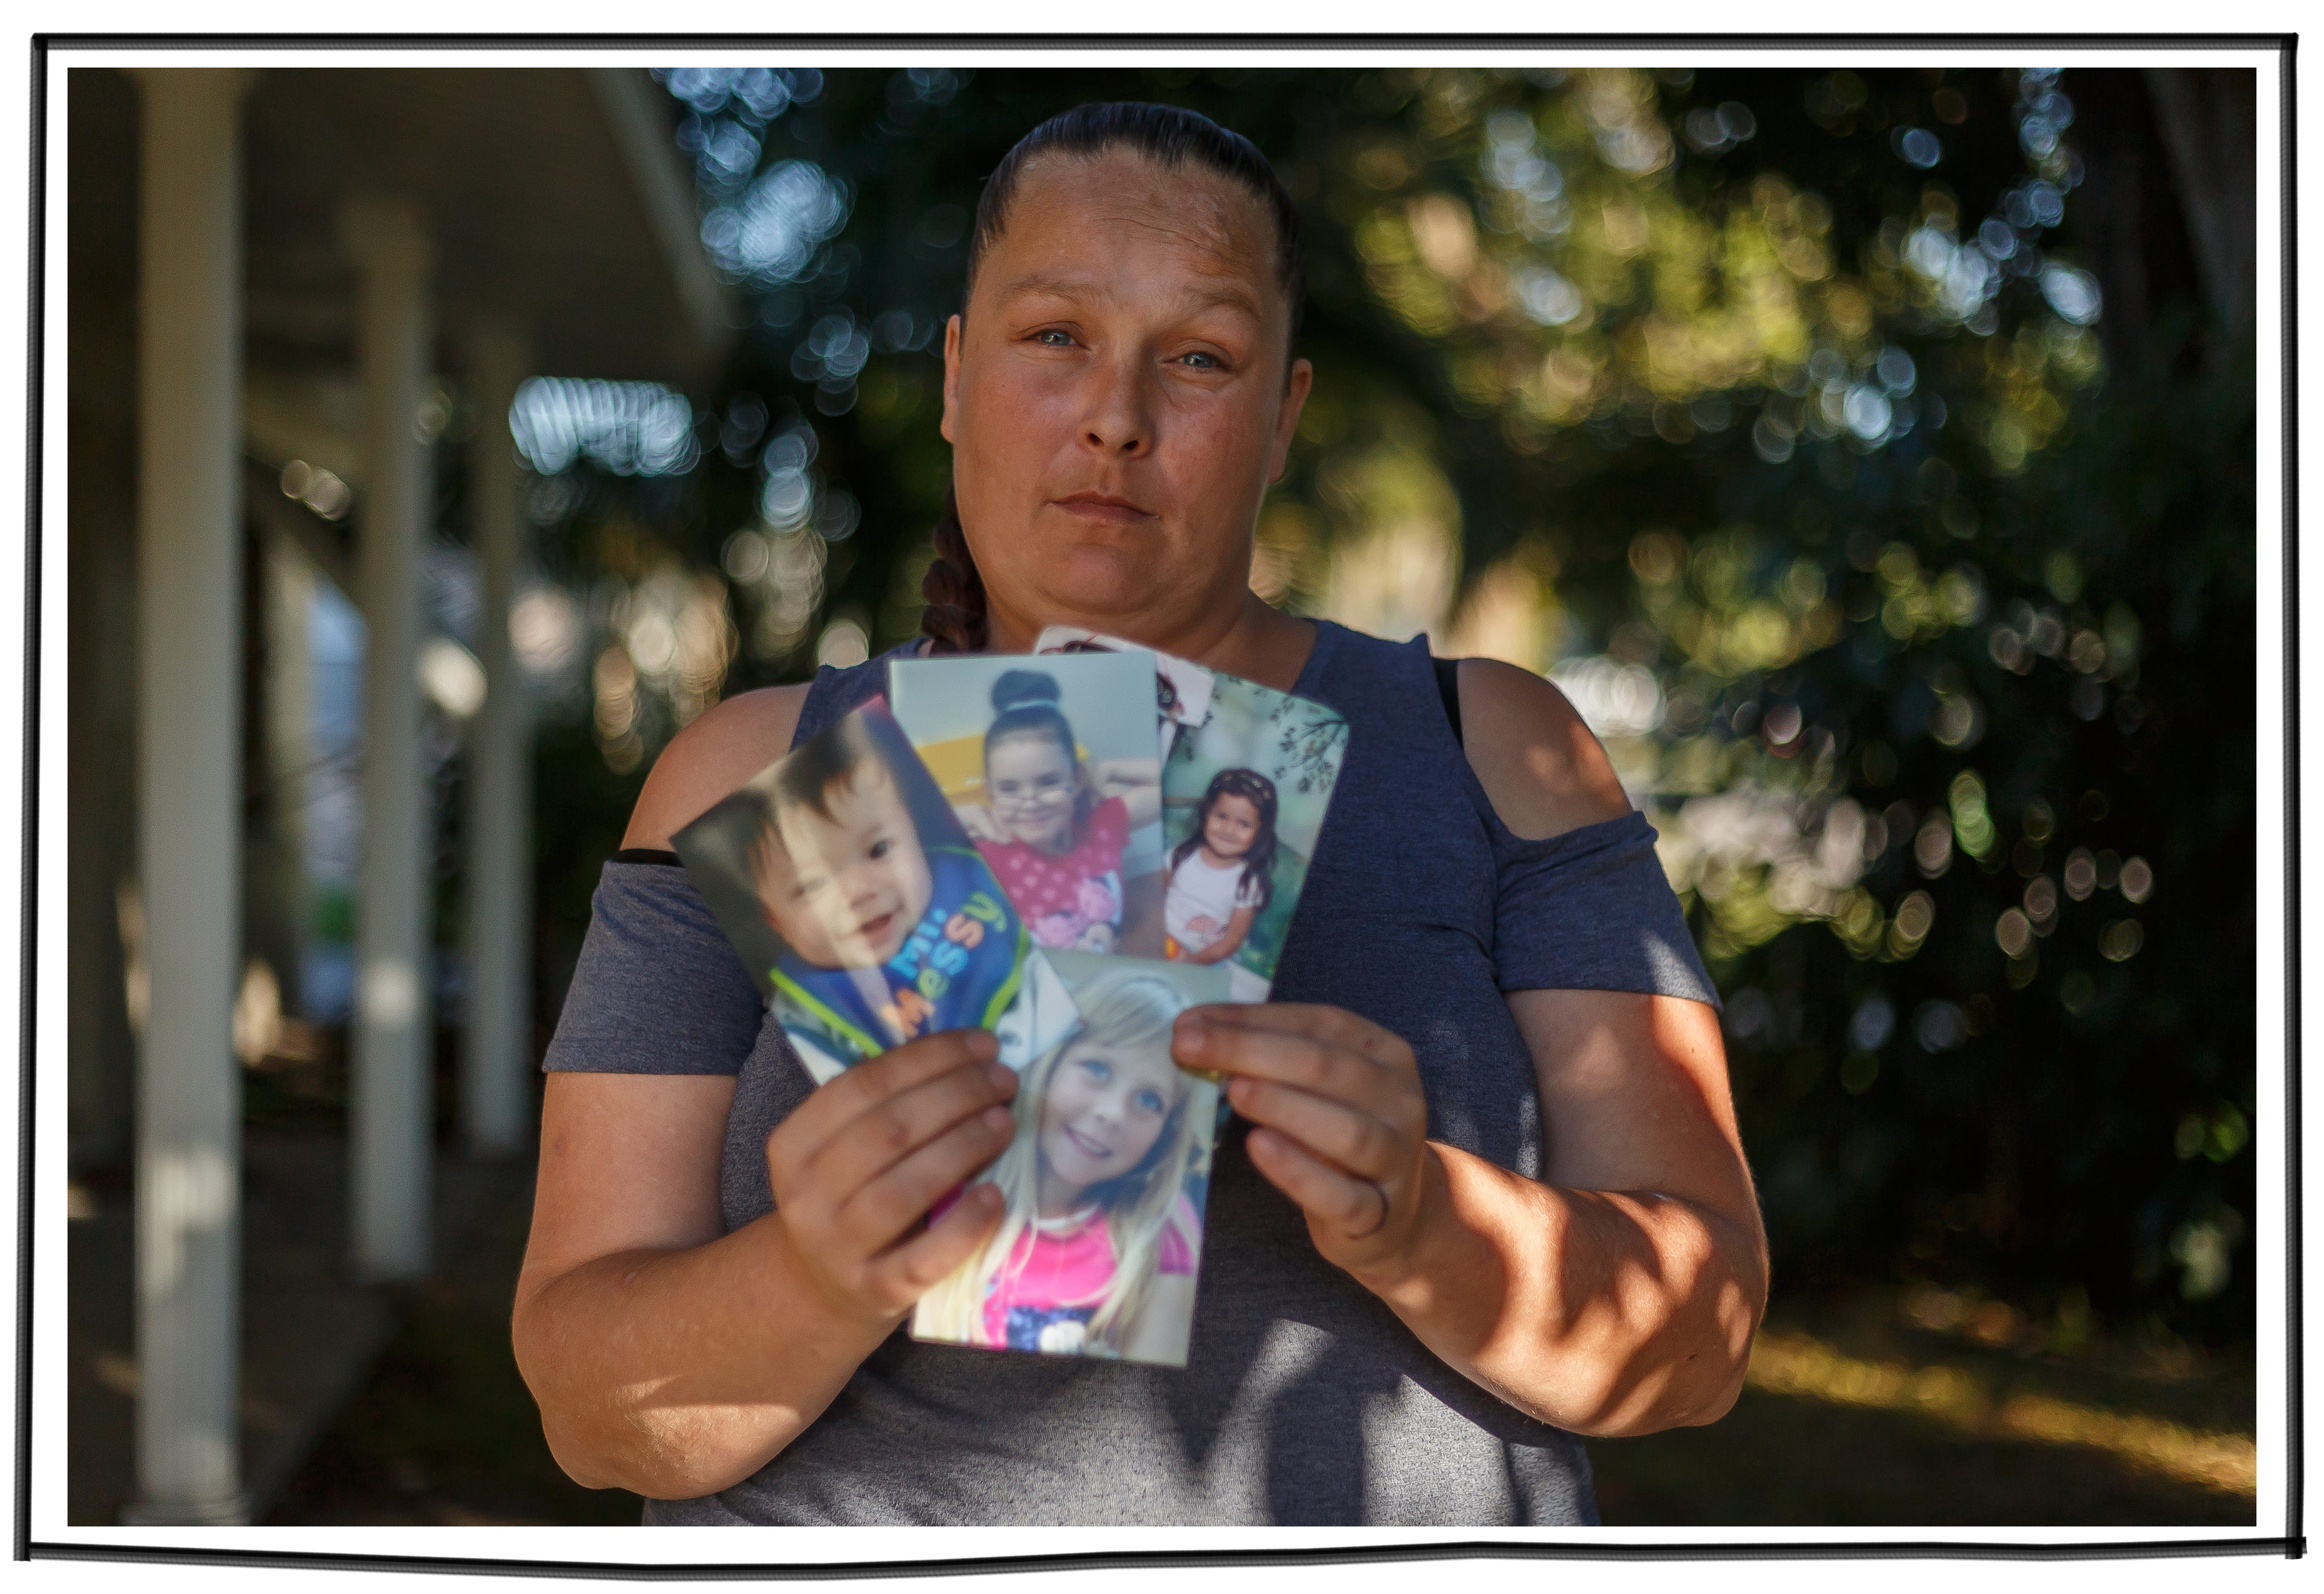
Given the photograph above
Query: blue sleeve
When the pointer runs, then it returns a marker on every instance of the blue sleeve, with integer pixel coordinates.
(1592, 910)
(659, 988)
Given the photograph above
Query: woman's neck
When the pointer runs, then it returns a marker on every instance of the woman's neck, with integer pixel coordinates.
(1247, 638)
(1218, 860)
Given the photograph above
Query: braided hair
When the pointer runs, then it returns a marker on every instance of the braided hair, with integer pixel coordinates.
(1171, 136)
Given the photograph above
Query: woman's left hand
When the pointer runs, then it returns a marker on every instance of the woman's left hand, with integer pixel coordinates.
(1338, 1121)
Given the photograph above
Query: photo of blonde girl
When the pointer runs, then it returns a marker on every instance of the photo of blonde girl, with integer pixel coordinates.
(1104, 1182)
(1222, 875)
(1061, 791)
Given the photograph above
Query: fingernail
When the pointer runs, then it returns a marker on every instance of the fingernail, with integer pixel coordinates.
(1193, 1034)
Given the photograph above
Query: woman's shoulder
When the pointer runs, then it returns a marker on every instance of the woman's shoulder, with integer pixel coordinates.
(1541, 769)
(711, 758)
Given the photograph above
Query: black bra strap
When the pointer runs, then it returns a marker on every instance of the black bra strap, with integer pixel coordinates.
(1448, 687)
(646, 855)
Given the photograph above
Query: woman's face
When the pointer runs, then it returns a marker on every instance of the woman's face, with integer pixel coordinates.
(1116, 396)
(1105, 1108)
(1030, 783)
(1232, 826)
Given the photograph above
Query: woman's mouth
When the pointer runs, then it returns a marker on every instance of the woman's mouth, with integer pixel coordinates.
(1096, 1151)
(1104, 509)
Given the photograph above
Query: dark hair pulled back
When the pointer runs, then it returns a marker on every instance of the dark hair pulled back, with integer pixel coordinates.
(1170, 136)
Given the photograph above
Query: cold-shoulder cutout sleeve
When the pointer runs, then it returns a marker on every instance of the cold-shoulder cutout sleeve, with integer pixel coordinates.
(1592, 910)
(658, 988)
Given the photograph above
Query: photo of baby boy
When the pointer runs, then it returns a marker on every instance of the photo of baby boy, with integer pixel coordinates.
(862, 908)
(1051, 766)
(1104, 1182)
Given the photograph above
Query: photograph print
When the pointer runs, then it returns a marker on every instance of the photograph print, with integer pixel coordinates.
(1051, 766)
(1104, 1182)
(861, 909)
(1243, 799)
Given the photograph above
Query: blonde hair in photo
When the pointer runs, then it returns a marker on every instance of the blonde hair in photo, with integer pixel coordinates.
(1128, 1009)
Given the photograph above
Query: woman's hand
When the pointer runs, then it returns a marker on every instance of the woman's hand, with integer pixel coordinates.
(1339, 1124)
(856, 1167)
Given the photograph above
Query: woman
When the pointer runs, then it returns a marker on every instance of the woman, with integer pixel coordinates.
(1483, 1192)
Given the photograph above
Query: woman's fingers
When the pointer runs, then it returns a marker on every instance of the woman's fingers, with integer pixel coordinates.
(1344, 1204)
(893, 1132)
(875, 1086)
(911, 1269)
(1307, 1051)
(1294, 1028)
(1358, 1141)
(883, 1208)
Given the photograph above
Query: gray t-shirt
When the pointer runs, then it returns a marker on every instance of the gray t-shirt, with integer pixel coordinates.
(1303, 1399)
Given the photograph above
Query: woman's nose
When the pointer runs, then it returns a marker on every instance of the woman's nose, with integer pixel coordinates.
(1118, 418)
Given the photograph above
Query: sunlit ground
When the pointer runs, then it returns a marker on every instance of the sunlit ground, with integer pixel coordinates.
(1858, 1413)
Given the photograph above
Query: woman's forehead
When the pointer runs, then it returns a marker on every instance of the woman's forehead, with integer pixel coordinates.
(1091, 208)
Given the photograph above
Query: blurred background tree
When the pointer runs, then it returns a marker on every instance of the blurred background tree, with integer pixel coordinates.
(1870, 456)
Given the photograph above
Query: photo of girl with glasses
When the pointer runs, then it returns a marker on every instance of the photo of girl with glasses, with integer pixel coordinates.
(1066, 808)
(1103, 1184)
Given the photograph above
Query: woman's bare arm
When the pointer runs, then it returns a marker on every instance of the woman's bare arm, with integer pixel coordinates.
(1649, 1245)
(667, 1357)
(673, 1360)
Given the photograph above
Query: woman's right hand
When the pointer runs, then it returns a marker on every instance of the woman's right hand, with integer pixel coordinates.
(856, 1167)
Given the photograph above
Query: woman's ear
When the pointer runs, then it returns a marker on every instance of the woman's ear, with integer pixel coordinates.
(1286, 419)
(952, 378)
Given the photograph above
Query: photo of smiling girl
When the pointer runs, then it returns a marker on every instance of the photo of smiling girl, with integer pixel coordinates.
(1103, 1184)
(1223, 876)
(1057, 778)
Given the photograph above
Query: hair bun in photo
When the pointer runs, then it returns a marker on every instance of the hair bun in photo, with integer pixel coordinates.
(1016, 688)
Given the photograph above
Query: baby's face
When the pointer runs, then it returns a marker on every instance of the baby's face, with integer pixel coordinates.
(1028, 783)
(1104, 1109)
(1232, 826)
(852, 886)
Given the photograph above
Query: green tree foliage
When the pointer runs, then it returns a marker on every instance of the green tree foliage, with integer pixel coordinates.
(1871, 455)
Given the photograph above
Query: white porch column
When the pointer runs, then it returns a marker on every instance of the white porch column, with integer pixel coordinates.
(188, 1198)
(389, 1109)
(496, 1058)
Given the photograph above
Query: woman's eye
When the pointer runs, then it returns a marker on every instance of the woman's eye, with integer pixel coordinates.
(1099, 1068)
(1055, 338)
(1209, 362)
(1151, 1101)
(883, 847)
